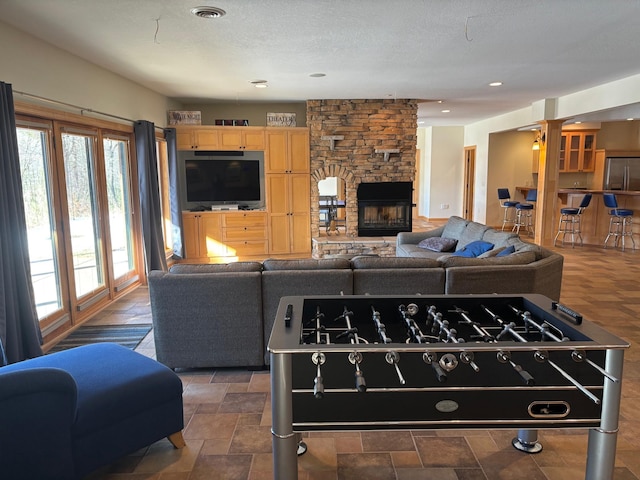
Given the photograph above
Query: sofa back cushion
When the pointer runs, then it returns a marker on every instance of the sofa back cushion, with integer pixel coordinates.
(365, 262)
(272, 264)
(472, 233)
(454, 227)
(216, 267)
(497, 237)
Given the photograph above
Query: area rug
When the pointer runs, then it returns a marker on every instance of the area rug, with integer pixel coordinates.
(128, 336)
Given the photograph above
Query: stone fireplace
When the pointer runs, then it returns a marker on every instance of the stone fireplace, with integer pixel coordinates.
(361, 141)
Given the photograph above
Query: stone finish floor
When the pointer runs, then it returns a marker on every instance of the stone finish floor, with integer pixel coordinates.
(228, 414)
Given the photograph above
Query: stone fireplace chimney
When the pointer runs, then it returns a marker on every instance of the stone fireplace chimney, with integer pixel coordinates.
(360, 141)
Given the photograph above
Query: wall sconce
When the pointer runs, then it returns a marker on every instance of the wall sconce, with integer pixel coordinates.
(538, 141)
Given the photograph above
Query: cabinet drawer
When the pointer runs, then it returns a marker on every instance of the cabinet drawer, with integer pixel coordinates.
(245, 219)
(250, 247)
(245, 233)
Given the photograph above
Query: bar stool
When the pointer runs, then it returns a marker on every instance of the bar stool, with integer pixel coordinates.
(570, 221)
(524, 213)
(509, 207)
(620, 221)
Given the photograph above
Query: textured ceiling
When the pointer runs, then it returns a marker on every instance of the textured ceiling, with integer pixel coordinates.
(432, 50)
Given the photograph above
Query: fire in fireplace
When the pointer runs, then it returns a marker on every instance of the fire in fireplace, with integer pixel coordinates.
(384, 208)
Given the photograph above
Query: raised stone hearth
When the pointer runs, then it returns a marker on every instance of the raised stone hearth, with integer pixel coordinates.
(345, 247)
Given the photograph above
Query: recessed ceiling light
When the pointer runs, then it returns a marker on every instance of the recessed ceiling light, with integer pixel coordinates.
(630, 119)
(445, 111)
(208, 12)
(259, 83)
(318, 75)
(578, 122)
(495, 84)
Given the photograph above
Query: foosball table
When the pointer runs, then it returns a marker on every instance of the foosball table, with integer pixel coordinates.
(449, 361)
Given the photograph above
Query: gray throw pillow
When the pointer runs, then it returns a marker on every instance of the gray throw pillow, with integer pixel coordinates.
(438, 244)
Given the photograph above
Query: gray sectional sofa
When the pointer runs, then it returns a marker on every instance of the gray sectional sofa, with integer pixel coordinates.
(221, 315)
(529, 269)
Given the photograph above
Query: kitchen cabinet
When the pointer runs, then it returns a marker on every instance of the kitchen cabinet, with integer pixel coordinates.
(577, 151)
(196, 138)
(211, 235)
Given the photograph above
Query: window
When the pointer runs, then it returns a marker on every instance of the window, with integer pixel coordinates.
(82, 226)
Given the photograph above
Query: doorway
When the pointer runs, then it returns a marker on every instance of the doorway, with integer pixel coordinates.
(469, 178)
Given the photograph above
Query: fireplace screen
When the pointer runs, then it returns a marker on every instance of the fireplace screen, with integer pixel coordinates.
(384, 208)
(384, 218)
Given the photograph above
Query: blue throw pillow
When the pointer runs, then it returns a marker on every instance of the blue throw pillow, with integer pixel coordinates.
(474, 249)
(506, 251)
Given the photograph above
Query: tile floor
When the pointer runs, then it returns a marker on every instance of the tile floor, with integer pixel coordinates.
(228, 414)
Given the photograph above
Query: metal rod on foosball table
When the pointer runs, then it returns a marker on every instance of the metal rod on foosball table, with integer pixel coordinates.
(486, 336)
(542, 357)
(576, 355)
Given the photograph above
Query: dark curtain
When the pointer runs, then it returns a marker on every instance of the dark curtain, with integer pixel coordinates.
(19, 327)
(149, 196)
(174, 195)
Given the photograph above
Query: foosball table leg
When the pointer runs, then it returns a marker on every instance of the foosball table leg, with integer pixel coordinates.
(284, 440)
(527, 441)
(601, 452)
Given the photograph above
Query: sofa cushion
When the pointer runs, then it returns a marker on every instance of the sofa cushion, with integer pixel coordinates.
(454, 227)
(523, 258)
(492, 253)
(438, 244)
(497, 237)
(530, 247)
(361, 262)
(506, 251)
(473, 249)
(473, 232)
(216, 267)
(306, 264)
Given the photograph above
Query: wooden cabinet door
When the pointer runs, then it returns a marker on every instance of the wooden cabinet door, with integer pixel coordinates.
(278, 206)
(299, 151)
(184, 139)
(300, 217)
(206, 138)
(190, 224)
(588, 163)
(238, 138)
(276, 153)
(211, 235)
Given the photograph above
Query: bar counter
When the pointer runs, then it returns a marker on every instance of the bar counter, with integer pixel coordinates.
(595, 219)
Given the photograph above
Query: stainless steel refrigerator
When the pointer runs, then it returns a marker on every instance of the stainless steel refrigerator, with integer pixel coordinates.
(622, 173)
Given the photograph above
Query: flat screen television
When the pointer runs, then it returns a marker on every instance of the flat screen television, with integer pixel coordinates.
(220, 181)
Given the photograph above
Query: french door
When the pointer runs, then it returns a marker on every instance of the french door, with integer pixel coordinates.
(81, 223)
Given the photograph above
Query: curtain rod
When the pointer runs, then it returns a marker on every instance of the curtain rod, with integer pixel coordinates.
(82, 109)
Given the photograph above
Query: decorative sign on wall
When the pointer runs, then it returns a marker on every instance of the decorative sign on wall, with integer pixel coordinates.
(281, 119)
(233, 123)
(184, 117)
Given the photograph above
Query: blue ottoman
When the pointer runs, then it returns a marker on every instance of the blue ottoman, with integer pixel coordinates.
(68, 413)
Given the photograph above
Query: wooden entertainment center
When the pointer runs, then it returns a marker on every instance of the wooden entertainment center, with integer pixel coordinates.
(284, 226)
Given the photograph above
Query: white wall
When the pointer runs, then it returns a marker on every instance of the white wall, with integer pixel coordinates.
(38, 68)
(441, 171)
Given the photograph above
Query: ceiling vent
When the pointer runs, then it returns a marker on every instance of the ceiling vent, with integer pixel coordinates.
(208, 12)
